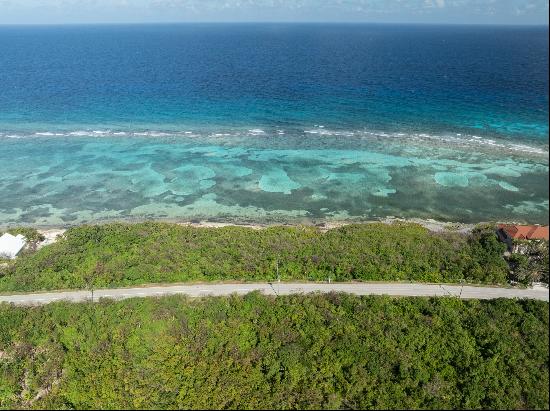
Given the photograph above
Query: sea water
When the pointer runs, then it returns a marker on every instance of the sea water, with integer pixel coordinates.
(273, 123)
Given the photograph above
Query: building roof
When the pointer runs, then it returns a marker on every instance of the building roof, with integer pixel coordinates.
(11, 245)
(525, 232)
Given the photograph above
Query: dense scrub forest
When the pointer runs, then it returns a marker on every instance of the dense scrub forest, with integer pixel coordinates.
(128, 254)
(312, 351)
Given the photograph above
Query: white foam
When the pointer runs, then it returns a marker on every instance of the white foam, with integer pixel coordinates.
(527, 149)
(452, 139)
(464, 140)
(326, 132)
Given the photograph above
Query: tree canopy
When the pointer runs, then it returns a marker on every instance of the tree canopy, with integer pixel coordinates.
(300, 351)
(129, 254)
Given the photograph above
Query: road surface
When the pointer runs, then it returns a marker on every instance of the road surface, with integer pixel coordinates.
(197, 290)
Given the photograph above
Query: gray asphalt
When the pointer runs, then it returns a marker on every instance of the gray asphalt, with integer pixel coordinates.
(197, 290)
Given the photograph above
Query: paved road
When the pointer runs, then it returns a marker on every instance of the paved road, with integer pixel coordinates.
(196, 290)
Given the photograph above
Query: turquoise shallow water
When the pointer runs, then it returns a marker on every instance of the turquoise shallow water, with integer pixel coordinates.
(273, 123)
(261, 175)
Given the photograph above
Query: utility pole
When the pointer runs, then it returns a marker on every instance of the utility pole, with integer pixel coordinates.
(90, 284)
(278, 279)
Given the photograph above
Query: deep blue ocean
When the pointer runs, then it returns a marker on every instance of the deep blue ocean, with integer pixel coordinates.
(273, 122)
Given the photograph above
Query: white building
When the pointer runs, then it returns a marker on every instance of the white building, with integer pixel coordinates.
(11, 245)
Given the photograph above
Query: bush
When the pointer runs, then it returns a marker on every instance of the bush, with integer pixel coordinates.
(294, 352)
(33, 237)
(128, 254)
(532, 264)
(31, 234)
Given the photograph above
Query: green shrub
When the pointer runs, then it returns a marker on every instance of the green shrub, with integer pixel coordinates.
(532, 264)
(293, 352)
(31, 234)
(127, 254)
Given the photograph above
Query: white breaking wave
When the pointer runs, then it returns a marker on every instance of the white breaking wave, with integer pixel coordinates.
(458, 139)
(256, 131)
(454, 139)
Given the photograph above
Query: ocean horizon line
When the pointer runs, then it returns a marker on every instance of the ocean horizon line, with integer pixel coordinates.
(276, 22)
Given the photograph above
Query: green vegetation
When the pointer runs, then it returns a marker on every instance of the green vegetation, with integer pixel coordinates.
(31, 234)
(128, 254)
(531, 265)
(316, 351)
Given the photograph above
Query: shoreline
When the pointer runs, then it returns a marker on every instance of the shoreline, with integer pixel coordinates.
(432, 225)
(435, 226)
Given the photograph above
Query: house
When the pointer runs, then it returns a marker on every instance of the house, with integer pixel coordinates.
(11, 245)
(507, 233)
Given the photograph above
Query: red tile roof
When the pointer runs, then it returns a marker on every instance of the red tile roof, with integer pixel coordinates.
(525, 232)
